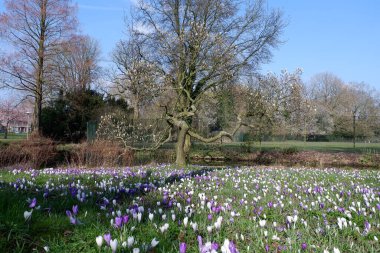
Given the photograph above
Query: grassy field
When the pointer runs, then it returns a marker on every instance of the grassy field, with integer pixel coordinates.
(298, 145)
(193, 209)
(12, 137)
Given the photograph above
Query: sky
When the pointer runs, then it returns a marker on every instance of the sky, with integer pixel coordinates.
(337, 36)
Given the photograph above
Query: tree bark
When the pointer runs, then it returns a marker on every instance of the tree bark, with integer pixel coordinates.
(6, 131)
(40, 72)
(180, 148)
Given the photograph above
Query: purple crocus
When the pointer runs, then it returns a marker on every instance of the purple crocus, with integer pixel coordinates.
(182, 247)
(266, 248)
(232, 247)
(200, 243)
(75, 209)
(125, 219)
(270, 204)
(107, 238)
(68, 213)
(118, 222)
(209, 217)
(73, 220)
(304, 246)
(33, 203)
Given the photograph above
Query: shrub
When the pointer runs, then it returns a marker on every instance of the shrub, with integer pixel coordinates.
(100, 153)
(36, 152)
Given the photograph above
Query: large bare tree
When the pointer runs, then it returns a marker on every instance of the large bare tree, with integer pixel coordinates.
(75, 67)
(34, 29)
(199, 45)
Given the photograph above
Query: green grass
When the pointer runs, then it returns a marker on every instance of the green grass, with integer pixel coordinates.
(12, 137)
(346, 147)
(243, 191)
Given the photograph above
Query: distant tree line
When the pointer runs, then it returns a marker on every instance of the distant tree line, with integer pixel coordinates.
(191, 67)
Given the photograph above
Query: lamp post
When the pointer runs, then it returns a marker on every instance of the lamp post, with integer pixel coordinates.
(27, 125)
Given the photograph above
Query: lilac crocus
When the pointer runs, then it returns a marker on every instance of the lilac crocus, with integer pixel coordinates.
(33, 203)
(232, 247)
(73, 220)
(107, 238)
(75, 209)
(304, 246)
(182, 247)
(200, 243)
(118, 222)
(209, 217)
(125, 219)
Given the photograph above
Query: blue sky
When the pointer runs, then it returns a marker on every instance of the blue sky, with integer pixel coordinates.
(341, 37)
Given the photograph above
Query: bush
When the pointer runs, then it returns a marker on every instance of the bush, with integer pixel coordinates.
(100, 153)
(36, 152)
(290, 150)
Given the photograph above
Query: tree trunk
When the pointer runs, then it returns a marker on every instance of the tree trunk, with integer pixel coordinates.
(354, 129)
(6, 131)
(36, 130)
(136, 113)
(180, 148)
(40, 72)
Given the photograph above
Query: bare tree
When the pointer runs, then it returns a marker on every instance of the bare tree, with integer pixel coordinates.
(272, 100)
(328, 93)
(199, 45)
(75, 66)
(10, 112)
(359, 104)
(34, 30)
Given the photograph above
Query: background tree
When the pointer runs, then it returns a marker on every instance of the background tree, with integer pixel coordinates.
(199, 45)
(75, 66)
(34, 30)
(10, 111)
(135, 77)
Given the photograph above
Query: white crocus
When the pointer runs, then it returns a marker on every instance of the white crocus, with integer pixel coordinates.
(28, 215)
(154, 242)
(99, 241)
(336, 250)
(130, 241)
(113, 244)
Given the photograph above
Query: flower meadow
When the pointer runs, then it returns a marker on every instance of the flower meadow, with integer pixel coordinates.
(194, 209)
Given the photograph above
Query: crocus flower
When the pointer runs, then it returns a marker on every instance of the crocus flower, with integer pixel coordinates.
(107, 238)
(232, 247)
(99, 241)
(130, 241)
(118, 222)
(28, 215)
(113, 244)
(125, 219)
(33, 203)
(303, 246)
(336, 250)
(182, 247)
(73, 220)
(75, 209)
(154, 242)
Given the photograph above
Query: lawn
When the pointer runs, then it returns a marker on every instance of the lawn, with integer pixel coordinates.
(193, 209)
(12, 137)
(346, 147)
